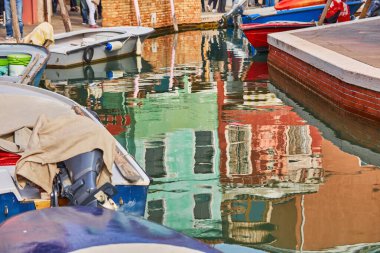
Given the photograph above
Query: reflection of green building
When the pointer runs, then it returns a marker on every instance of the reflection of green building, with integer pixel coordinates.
(159, 138)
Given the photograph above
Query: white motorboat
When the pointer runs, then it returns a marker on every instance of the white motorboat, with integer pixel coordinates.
(94, 45)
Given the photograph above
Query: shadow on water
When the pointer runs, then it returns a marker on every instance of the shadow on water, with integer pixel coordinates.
(235, 161)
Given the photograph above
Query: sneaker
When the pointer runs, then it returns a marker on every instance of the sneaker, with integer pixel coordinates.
(84, 23)
(8, 37)
(94, 26)
(213, 11)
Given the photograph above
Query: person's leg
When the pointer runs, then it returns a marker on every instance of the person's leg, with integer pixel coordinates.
(209, 5)
(1, 7)
(19, 17)
(91, 15)
(84, 11)
(8, 18)
(100, 10)
(54, 5)
(214, 5)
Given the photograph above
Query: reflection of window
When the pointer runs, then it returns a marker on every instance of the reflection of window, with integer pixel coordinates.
(154, 159)
(299, 140)
(238, 139)
(156, 211)
(202, 206)
(204, 152)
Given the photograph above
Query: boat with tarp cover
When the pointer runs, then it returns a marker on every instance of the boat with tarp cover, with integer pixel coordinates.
(54, 152)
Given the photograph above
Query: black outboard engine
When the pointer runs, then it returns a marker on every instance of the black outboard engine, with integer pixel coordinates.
(77, 180)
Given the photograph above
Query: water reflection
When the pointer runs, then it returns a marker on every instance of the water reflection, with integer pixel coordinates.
(233, 161)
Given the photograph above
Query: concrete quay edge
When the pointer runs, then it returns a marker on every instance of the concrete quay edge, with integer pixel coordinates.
(340, 66)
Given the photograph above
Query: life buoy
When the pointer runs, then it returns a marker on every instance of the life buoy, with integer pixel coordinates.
(88, 53)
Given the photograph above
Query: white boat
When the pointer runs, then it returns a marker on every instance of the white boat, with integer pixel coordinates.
(94, 45)
(74, 175)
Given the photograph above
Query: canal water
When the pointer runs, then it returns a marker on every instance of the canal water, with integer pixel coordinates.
(236, 160)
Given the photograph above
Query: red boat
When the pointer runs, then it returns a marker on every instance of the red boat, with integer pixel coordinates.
(257, 34)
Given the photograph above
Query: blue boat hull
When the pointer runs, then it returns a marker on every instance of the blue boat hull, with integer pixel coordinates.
(130, 200)
(304, 14)
(67, 229)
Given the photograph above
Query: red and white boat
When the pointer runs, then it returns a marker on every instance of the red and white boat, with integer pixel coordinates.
(257, 34)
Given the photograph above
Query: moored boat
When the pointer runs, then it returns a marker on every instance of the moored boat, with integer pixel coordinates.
(95, 45)
(257, 33)
(54, 152)
(22, 63)
(90, 229)
(301, 14)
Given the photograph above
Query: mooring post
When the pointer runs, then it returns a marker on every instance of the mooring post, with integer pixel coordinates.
(175, 25)
(65, 15)
(137, 10)
(324, 12)
(363, 14)
(15, 25)
(47, 10)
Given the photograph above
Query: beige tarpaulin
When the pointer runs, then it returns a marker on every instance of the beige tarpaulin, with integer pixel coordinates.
(58, 139)
(42, 35)
(18, 111)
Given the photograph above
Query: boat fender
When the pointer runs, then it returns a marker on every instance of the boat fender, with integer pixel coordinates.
(88, 54)
(113, 46)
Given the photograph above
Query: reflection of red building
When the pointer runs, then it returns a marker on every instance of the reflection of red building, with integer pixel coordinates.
(257, 71)
(264, 139)
(115, 124)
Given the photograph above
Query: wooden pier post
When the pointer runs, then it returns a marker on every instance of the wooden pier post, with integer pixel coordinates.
(15, 26)
(363, 14)
(323, 15)
(65, 15)
(175, 25)
(137, 10)
(47, 10)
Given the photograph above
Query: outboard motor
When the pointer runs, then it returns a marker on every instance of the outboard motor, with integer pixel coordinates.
(77, 180)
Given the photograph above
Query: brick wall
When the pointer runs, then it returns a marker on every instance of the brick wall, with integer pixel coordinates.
(349, 97)
(122, 12)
